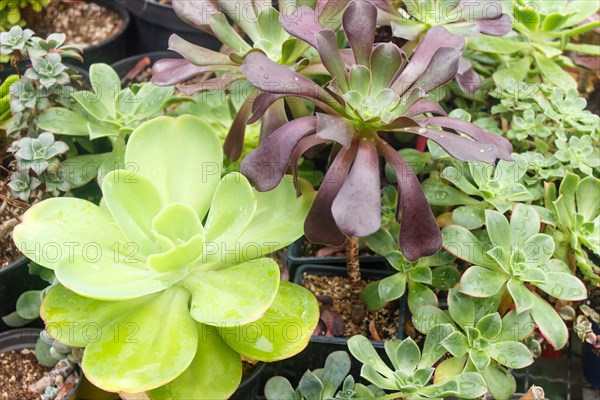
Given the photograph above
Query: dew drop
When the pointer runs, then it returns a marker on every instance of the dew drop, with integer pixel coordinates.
(482, 151)
(422, 130)
(296, 78)
(266, 76)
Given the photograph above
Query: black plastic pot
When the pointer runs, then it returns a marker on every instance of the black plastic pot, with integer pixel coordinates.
(320, 347)
(122, 67)
(296, 259)
(14, 280)
(249, 386)
(20, 339)
(154, 23)
(590, 361)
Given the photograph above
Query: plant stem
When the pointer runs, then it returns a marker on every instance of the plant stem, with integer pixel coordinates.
(353, 265)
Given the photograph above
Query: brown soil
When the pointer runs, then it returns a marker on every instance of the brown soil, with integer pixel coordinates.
(383, 323)
(84, 23)
(309, 249)
(19, 370)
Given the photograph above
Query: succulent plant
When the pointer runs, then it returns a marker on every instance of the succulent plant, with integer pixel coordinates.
(37, 153)
(322, 384)
(579, 154)
(264, 27)
(48, 70)
(477, 339)
(577, 232)
(184, 292)
(529, 124)
(21, 185)
(14, 40)
(512, 257)
(436, 271)
(584, 326)
(10, 15)
(545, 30)
(372, 93)
(409, 379)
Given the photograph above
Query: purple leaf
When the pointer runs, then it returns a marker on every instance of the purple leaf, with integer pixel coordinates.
(400, 123)
(357, 207)
(271, 77)
(234, 143)
(359, 20)
(434, 39)
(386, 61)
(303, 146)
(467, 78)
(335, 128)
(261, 104)
(459, 147)
(196, 13)
(423, 106)
(320, 227)
(219, 83)
(441, 69)
(197, 55)
(303, 23)
(265, 166)
(504, 147)
(420, 235)
(495, 27)
(329, 52)
(170, 71)
(273, 119)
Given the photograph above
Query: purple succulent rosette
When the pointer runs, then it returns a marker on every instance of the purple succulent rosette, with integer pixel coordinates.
(374, 90)
(465, 18)
(257, 29)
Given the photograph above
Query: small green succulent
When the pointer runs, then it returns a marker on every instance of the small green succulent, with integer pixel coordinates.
(323, 383)
(477, 339)
(11, 12)
(21, 185)
(512, 256)
(14, 40)
(577, 209)
(409, 379)
(170, 268)
(37, 153)
(579, 154)
(529, 124)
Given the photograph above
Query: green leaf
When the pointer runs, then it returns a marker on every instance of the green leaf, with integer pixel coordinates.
(510, 354)
(421, 275)
(310, 386)
(337, 366)
(498, 229)
(461, 243)
(495, 44)
(499, 381)
(362, 349)
(427, 317)
(449, 368)
(538, 249)
(63, 121)
(444, 277)
(564, 286)
(283, 331)
(123, 194)
(554, 21)
(520, 295)
(549, 323)
(470, 217)
(528, 16)
(106, 84)
(471, 385)
(382, 242)
(524, 223)
(28, 304)
(408, 356)
(226, 34)
(554, 74)
(420, 295)
(150, 100)
(439, 194)
(516, 327)
(279, 388)
(124, 358)
(456, 343)
(173, 176)
(215, 371)
(588, 198)
(83, 169)
(517, 71)
(92, 104)
(461, 308)
(233, 296)
(433, 349)
(481, 282)
(479, 358)
(490, 327)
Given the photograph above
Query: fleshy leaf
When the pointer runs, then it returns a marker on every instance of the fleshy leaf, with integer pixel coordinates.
(511, 354)
(481, 282)
(282, 332)
(549, 323)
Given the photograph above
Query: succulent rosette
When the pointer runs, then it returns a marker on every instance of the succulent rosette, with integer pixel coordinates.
(258, 28)
(165, 283)
(374, 92)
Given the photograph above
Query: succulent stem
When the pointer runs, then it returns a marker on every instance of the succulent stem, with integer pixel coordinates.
(353, 265)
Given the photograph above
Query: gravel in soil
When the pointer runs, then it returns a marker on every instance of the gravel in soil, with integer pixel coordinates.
(383, 323)
(84, 23)
(19, 369)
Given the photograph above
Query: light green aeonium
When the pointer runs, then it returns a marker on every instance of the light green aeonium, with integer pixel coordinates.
(163, 282)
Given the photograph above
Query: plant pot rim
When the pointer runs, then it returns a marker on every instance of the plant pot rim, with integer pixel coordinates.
(14, 264)
(314, 269)
(310, 259)
(25, 338)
